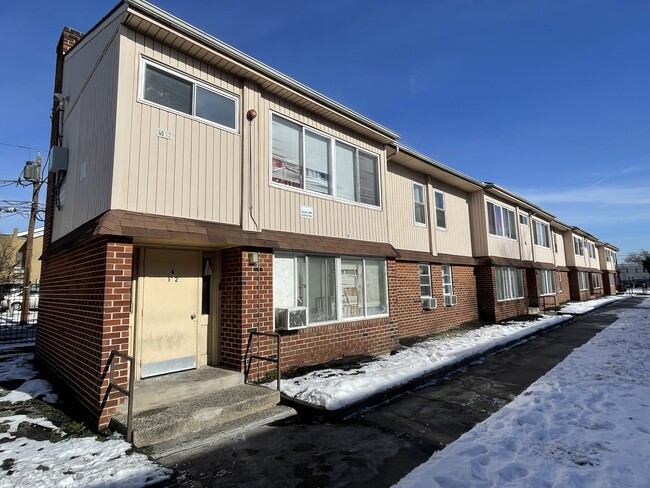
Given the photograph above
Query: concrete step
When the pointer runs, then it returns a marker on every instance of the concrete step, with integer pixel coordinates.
(201, 412)
(157, 392)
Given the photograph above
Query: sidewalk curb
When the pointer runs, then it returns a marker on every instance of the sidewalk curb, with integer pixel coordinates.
(318, 413)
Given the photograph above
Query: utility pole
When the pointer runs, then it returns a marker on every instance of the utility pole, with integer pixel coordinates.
(31, 173)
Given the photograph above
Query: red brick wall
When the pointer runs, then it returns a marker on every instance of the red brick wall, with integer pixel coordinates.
(532, 288)
(564, 295)
(488, 306)
(609, 290)
(83, 315)
(596, 292)
(406, 307)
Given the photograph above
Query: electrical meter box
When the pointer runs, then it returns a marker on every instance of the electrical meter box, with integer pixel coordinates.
(58, 159)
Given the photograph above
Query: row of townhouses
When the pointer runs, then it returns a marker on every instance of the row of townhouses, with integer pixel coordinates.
(197, 195)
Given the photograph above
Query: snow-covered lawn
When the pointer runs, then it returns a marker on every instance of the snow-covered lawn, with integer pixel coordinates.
(63, 460)
(334, 389)
(586, 423)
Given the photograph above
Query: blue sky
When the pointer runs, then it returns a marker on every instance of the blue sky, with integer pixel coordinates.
(549, 99)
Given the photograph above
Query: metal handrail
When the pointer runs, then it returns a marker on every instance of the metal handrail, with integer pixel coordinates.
(128, 392)
(250, 356)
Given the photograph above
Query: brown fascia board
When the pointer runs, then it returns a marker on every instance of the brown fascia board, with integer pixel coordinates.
(425, 257)
(245, 66)
(517, 263)
(500, 192)
(584, 233)
(139, 227)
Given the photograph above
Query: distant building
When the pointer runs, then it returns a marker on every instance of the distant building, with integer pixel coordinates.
(633, 274)
(12, 257)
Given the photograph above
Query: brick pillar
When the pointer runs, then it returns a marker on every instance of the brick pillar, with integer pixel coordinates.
(574, 286)
(532, 287)
(486, 292)
(83, 316)
(241, 285)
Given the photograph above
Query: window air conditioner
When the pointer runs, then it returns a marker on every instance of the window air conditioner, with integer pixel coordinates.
(290, 318)
(429, 303)
(450, 300)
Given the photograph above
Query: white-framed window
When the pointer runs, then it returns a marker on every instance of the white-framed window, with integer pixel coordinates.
(540, 234)
(501, 221)
(419, 204)
(559, 282)
(523, 219)
(595, 280)
(308, 160)
(441, 218)
(583, 281)
(592, 249)
(425, 280)
(169, 89)
(546, 282)
(578, 248)
(510, 283)
(555, 242)
(447, 283)
(332, 288)
(608, 255)
(612, 281)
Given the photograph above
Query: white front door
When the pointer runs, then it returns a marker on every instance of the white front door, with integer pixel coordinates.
(170, 307)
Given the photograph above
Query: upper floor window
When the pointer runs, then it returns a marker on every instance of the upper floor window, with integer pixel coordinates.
(540, 233)
(523, 219)
(179, 93)
(608, 254)
(441, 220)
(555, 241)
(592, 249)
(501, 221)
(419, 204)
(305, 159)
(425, 280)
(578, 246)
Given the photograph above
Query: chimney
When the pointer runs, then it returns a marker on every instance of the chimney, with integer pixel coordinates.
(69, 38)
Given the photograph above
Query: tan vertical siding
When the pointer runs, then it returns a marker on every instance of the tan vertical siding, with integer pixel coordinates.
(560, 256)
(478, 224)
(90, 80)
(502, 246)
(404, 232)
(525, 237)
(195, 175)
(456, 239)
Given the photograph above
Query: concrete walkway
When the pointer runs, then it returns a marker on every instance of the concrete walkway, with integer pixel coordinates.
(379, 446)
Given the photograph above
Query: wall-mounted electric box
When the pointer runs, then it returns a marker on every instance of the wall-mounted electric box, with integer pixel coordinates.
(58, 159)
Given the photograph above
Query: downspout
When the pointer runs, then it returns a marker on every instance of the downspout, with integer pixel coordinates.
(250, 116)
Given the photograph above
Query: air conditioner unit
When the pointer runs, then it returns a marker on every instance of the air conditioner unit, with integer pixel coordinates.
(290, 318)
(450, 300)
(429, 303)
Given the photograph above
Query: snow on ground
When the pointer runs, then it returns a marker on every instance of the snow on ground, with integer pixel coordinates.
(579, 308)
(67, 461)
(585, 423)
(335, 388)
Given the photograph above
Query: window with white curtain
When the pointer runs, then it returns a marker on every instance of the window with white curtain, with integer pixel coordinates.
(441, 220)
(510, 283)
(583, 281)
(546, 282)
(425, 280)
(419, 204)
(447, 282)
(540, 233)
(332, 288)
(303, 158)
(578, 246)
(595, 280)
(501, 221)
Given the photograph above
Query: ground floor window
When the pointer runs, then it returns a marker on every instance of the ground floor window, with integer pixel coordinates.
(331, 288)
(612, 281)
(425, 280)
(546, 282)
(583, 283)
(510, 283)
(595, 280)
(447, 285)
(560, 284)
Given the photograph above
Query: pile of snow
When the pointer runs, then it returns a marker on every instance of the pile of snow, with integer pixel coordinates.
(334, 389)
(83, 461)
(579, 308)
(585, 423)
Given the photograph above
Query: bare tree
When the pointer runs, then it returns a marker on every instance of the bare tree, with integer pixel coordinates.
(7, 261)
(642, 257)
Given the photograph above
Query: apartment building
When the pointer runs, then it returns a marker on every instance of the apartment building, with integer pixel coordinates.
(199, 196)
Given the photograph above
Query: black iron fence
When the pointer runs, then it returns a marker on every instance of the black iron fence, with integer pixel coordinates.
(14, 331)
